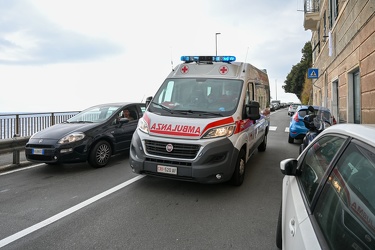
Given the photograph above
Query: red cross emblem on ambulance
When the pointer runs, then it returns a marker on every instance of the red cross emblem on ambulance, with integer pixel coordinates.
(184, 69)
(223, 70)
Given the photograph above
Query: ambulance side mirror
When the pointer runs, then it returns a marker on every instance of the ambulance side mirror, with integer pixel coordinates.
(148, 101)
(252, 111)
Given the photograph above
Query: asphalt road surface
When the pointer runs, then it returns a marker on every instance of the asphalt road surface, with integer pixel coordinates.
(74, 206)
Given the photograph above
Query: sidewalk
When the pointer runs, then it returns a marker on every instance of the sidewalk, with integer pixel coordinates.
(6, 161)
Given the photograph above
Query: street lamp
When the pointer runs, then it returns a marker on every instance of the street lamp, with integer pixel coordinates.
(216, 41)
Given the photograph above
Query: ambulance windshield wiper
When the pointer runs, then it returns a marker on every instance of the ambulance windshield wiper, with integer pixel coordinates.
(163, 107)
(199, 112)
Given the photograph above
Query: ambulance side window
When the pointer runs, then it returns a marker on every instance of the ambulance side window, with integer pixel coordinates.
(250, 91)
(261, 95)
(248, 99)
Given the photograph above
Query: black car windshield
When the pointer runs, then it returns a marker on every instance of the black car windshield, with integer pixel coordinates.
(94, 114)
(197, 97)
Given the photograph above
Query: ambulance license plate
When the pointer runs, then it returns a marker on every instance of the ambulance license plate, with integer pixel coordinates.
(37, 151)
(166, 169)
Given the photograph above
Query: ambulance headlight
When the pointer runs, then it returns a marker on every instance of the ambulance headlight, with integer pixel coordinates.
(143, 126)
(225, 131)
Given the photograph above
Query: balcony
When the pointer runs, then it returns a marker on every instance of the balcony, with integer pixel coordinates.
(312, 15)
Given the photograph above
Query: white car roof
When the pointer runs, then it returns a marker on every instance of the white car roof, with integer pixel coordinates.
(363, 132)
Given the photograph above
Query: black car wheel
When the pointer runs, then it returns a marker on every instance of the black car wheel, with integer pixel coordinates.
(100, 154)
(290, 139)
(239, 170)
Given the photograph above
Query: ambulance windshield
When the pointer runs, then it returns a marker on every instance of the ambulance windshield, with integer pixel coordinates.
(198, 96)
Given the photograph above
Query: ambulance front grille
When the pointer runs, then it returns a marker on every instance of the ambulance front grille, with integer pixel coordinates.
(180, 151)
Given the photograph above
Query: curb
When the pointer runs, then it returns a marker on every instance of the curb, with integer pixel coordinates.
(10, 167)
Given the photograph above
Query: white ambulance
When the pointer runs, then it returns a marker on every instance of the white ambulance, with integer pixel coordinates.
(205, 121)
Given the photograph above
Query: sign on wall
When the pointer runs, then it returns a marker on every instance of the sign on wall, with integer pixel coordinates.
(312, 73)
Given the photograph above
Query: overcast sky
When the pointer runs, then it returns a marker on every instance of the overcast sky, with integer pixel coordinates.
(67, 55)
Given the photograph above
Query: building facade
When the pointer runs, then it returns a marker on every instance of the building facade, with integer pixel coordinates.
(343, 44)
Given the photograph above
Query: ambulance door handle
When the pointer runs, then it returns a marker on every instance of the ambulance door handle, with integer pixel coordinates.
(292, 227)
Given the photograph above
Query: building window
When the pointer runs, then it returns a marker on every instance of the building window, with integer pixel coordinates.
(354, 97)
(324, 27)
(357, 97)
(333, 12)
(335, 99)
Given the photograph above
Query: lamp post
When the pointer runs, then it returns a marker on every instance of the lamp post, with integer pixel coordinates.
(276, 88)
(216, 41)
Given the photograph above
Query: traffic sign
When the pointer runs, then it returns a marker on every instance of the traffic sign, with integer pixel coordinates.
(312, 73)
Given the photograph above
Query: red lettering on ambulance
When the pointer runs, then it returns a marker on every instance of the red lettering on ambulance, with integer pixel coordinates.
(176, 130)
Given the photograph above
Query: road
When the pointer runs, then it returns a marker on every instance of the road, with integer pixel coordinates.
(77, 207)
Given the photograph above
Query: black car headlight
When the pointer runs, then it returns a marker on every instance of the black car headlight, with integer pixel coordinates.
(73, 137)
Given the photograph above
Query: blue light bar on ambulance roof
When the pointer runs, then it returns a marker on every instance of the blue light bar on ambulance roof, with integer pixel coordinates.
(208, 58)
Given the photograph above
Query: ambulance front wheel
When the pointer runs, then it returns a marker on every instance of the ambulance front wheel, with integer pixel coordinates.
(239, 170)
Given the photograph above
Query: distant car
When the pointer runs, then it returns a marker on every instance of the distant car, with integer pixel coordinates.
(328, 192)
(297, 128)
(292, 108)
(93, 135)
(276, 104)
(272, 107)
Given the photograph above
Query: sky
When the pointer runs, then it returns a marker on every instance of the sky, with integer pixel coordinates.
(68, 55)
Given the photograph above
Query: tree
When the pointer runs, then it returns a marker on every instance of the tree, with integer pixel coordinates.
(296, 79)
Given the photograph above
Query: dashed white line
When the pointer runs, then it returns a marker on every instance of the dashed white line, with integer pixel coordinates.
(274, 128)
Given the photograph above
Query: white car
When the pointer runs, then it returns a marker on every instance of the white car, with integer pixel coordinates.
(292, 108)
(328, 192)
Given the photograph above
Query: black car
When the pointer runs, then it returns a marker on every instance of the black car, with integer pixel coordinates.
(93, 135)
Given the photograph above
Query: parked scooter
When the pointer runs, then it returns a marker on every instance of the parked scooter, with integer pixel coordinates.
(315, 122)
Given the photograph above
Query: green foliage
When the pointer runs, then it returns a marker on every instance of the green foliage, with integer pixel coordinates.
(306, 93)
(295, 80)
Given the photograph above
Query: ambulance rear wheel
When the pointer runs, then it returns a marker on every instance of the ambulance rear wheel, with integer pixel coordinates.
(239, 170)
(262, 147)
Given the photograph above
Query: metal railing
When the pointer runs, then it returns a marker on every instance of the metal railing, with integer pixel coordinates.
(311, 6)
(16, 129)
(26, 124)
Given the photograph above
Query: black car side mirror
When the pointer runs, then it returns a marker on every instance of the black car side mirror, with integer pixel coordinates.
(252, 111)
(148, 101)
(289, 167)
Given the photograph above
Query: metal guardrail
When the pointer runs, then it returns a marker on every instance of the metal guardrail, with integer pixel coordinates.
(15, 146)
(10, 145)
(16, 129)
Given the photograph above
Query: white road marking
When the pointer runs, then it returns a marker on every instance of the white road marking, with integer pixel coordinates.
(21, 169)
(273, 128)
(67, 212)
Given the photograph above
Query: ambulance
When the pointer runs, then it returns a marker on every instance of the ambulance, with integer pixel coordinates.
(204, 123)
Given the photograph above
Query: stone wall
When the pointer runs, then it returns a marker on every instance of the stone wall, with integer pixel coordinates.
(352, 48)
